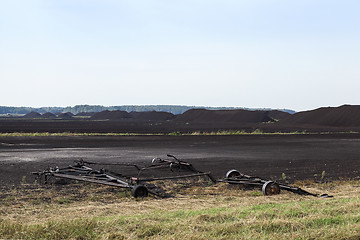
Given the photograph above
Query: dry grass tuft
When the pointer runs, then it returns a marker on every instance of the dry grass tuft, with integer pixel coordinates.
(198, 211)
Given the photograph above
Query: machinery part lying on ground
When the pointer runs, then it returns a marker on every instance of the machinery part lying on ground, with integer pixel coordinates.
(268, 187)
(137, 185)
(140, 186)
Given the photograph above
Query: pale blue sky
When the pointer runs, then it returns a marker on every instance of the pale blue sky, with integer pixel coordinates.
(300, 54)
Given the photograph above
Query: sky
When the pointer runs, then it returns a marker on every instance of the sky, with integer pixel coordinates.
(298, 55)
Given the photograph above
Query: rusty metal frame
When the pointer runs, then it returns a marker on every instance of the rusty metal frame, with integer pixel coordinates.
(268, 187)
(81, 172)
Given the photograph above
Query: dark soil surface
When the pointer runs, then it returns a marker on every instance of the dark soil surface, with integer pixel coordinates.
(297, 156)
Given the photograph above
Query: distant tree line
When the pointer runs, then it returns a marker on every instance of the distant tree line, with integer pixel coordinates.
(25, 110)
(175, 109)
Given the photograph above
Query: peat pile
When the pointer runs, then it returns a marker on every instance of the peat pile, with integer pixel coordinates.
(152, 116)
(325, 119)
(65, 116)
(346, 116)
(137, 116)
(278, 115)
(32, 115)
(85, 114)
(48, 115)
(111, 115)
(224, 116)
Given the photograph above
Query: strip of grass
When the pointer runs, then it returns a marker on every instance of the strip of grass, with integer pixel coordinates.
(197, 133)
(69, 134)
(210, 212)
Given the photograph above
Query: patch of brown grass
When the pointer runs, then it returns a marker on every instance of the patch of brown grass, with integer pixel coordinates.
(203, 211)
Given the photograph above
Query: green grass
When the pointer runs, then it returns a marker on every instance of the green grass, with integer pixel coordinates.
(211, 212)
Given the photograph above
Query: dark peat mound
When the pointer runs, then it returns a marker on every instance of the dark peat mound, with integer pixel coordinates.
(32, 115)
(344, 116)
(278, 115)
(152, 116)
(48, 115)
(224, 116)
(65, 116)
(111, 115)
(85, 114)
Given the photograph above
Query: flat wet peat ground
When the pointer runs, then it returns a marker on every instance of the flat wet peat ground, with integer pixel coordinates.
(297, 157)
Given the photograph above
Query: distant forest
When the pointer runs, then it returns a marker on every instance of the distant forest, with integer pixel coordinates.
(175, 109)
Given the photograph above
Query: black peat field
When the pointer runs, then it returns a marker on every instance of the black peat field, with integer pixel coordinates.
(109, 154)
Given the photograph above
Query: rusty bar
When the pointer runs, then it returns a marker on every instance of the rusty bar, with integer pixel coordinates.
(175, 177)
(124, 184)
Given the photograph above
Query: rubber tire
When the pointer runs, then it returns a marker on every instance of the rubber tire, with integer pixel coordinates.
(156, 160)
(175, 167)
(139, 191)
(270, 188)
(232, 173)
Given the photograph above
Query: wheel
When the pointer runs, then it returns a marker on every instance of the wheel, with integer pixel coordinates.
(156, 160)
(232, 174)
(270, 188)
(175, 167)
(139, 191)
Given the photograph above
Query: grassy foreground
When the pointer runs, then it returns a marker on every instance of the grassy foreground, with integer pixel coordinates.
(221, 211)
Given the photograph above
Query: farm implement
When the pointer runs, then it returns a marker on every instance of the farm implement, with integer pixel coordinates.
(138, 184)
(268, 187)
